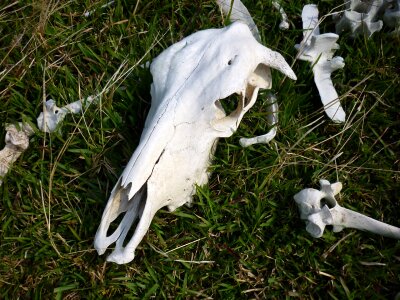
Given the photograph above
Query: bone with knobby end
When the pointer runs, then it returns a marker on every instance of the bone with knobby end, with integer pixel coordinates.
(17, 141)
(318, 215)
(53, 115)
(183, 125)
(363, 17)
(318, 49)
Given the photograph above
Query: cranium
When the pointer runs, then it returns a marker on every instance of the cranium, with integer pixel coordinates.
(184, 123)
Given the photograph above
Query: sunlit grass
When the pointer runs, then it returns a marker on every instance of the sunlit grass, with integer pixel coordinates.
(242, 237)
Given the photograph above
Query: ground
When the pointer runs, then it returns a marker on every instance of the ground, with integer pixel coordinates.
(242, 237)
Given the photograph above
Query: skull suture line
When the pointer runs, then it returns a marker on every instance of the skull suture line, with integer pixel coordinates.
(183, 125)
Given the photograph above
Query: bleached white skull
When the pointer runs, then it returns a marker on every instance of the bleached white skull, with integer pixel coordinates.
(183, 125)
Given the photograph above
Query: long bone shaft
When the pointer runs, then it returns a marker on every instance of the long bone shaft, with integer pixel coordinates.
(343, 217)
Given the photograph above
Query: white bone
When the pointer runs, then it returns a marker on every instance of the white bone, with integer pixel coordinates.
(88, 13)
(272, 120)
(17, 141)
(238, 12)
(317, 213)
(261, 76)
(318, 49)
(284, 25)
(183, 125)
(52, 115)
(362, 17)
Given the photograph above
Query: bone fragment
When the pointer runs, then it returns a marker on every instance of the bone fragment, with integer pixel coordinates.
(284, 25)
(319, 209)
(364, 17)
(17, 141)
(182, 128)
(238, 12)
(52, 115)
(318, 49)
(272, 120)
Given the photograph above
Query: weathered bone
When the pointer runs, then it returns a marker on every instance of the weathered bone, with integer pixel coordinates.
(183, 125)
(317, 214)
(236, 11)
(284, 25)
(88, 13)
(272, 120)
(17, 141)
(392, 17)
(318, 49)
(363, 17)
(52, 115)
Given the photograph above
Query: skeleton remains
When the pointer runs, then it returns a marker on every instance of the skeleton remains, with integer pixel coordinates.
(363, 17)
(53, 115)
(17, 141)
(318, 49)
(184, 123)
(320, 208)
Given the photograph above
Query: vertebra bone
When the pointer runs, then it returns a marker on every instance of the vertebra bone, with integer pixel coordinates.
(317, 214)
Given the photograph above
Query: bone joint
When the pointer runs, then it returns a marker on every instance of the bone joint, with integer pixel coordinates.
(318, 49)
(17, 141)
(185, 121)
(53, 115)
(319, 208)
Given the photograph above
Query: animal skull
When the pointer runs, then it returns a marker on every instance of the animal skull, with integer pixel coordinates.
(184, 123)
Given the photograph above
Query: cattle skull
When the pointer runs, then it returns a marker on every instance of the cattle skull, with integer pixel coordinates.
(184, 123)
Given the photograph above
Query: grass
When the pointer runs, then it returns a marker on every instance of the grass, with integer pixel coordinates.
(242, 238)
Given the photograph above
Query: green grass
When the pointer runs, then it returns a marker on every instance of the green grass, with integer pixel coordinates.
(243, 229)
